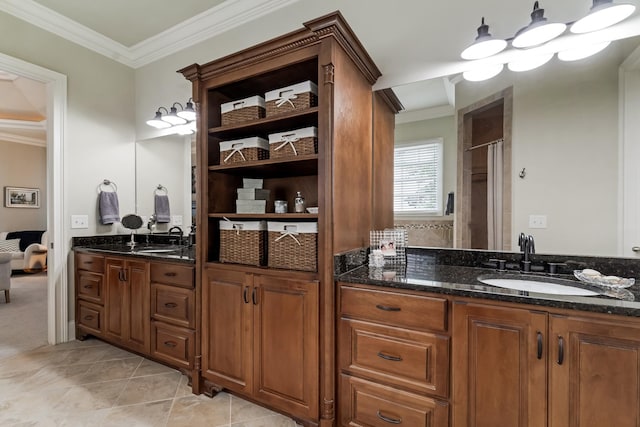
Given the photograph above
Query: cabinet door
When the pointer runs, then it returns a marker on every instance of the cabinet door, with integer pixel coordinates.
(499, 366)
(114, 306)
(227, 315)
(286, 344)
(594, 373)
(136, 315)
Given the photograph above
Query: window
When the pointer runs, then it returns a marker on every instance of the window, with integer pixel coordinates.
(417, 178)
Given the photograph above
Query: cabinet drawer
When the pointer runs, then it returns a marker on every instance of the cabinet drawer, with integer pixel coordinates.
(89, 286)
(172, 344)
(173, 304)
(367, 404)
(417, 361)
(88, 262)
(396, 309)
(172, 274)
(90, 317)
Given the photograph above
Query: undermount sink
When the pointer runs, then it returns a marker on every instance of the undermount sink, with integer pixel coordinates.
(537, 284)
(157, 250)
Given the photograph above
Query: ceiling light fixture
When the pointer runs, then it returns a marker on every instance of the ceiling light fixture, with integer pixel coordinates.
(582, 52)
(538, 31)
(603, 14)
(485, 44)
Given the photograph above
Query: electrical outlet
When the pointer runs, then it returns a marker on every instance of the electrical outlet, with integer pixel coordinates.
(176, 219)
(79, 221)
(537, 221)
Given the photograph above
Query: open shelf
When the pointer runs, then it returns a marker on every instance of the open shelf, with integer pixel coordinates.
(272, 168)
(275, 216)
(267, 125)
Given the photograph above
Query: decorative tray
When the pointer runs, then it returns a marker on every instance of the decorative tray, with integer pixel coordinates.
(594, 277)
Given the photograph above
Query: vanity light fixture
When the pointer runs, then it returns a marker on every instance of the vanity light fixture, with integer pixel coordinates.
(603, 14)
(188, 113)
(538, 31)
(173, 117)
(530, 61)
(157, 121)
(484, 72)
(582, 52)
(485, 45)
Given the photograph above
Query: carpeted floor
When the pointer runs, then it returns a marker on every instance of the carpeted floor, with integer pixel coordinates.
(24, 320)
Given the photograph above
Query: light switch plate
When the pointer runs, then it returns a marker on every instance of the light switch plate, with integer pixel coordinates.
(176, 219)
(79, 221)
(537, 221)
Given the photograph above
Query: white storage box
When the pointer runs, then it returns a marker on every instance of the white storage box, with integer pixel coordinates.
(297, 142)
(299, 96)
(251, 206)
(253, 194)
(292, 245)
(242, 110)
(244, 150)
(243, 242)
(252, 183)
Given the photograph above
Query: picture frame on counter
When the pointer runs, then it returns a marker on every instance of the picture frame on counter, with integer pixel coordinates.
(21, 197)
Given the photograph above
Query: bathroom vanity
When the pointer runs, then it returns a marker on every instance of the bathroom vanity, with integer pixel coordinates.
(433, 346)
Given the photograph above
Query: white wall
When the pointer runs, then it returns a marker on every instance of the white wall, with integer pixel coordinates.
(565, 134)
(99, 133)
(23, 165)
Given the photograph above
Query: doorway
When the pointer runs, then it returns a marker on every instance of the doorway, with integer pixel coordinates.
(483, 214)
(57, 281)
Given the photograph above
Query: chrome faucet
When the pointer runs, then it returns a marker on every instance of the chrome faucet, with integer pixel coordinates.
(151, 223)
(528, 247)
(180, 233)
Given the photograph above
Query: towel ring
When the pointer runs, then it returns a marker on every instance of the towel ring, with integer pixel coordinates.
(160, 189)
(107, 184)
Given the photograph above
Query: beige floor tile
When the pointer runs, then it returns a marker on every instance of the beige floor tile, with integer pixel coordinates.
(56, 376)
(90, 397)
(74, 419)
(115, 353)
(150, 388)
(196, 411)
(26, 407)
(241, 410)
(184, 389)
(12, 381)
(271, 421)
(143, 415)
(149, 367)
(111, 370)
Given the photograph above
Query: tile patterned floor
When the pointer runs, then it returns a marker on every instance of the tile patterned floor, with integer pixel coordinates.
(92, 383)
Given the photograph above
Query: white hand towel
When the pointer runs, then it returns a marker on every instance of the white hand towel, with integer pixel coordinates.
(163, 213)
(109, 207)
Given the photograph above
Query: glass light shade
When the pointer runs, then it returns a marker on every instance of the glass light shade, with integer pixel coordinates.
(538, 33)
(603, 14)
(582, 52)
(188, 113)
(183, 129)
(157, 122)
(173, 118)
(530, 62)
(483, 73)
(484, 48)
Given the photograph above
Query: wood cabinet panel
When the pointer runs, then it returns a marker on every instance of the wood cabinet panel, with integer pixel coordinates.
(414, 360)
(94, 263)
(172, 274)
(173, 344)
(286, 344)
(89, 286)
(114, 299)
(594, 373)
(367, 404)
(394, 308)
(173, 305)
(90, 317)
(498, 378)
(137, 307)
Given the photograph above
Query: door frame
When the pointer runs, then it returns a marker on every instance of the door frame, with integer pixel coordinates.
(461, 227)
(57, 280)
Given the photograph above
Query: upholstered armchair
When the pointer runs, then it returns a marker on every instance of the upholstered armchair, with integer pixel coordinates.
(5, 275)
(28, 249)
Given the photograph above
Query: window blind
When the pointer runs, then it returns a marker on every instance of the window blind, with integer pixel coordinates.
(417, 181)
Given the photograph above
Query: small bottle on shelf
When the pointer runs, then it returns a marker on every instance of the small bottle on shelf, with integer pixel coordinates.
(298, 203)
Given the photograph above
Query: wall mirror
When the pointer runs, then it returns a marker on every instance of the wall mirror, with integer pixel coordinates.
(165, 161)
(567, 124)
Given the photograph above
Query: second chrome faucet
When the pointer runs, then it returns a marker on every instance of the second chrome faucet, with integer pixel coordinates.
(528, 247)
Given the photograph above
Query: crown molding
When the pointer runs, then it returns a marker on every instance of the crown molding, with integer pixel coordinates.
(425, 114)
(19, 139)
(23, 124)
(225, 16)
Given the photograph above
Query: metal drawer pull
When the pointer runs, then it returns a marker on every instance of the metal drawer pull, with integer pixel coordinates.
(88, 286)
(89, 317)
(88, 262)
(387, 308)
(389, 420)
(254, 296)
(388, 357)
(170, 304)
(560, 350)
(245, 295)
(171, 274)
(539, 345)
(171, 344)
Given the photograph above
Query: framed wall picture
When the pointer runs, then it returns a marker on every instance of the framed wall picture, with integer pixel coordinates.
(19, 197)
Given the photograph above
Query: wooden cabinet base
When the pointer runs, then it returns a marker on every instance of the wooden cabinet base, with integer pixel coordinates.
(367, 404)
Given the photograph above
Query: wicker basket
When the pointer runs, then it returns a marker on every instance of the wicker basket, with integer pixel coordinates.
(291, 98)
(295, 143)
(243, 110)
(243, 242)
(244, 150)
(293, 246)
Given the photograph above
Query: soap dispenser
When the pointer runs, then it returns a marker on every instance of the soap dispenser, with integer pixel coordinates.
(298, 203)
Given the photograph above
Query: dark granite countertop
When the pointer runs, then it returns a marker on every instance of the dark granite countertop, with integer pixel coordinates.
(182, 254)
(456, 280)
